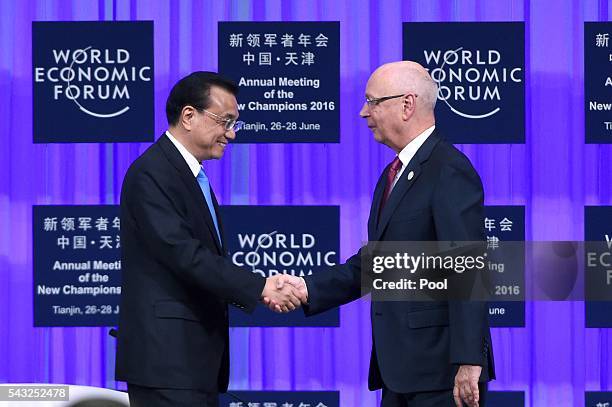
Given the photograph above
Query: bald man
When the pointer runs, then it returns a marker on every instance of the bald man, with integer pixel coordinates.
(423, 353)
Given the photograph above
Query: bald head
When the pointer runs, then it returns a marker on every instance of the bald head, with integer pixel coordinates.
(401, 97)
(408, 76)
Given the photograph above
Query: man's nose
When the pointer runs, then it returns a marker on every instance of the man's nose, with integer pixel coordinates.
(230, 134)
(365, 110)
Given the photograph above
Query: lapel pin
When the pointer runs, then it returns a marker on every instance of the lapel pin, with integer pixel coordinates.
(410, 175)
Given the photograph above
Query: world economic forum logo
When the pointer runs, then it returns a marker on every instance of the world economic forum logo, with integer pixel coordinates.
(93, 81)
(479, 70)
(272, 240)
(91, 75)
(269, 254)
(466, 77)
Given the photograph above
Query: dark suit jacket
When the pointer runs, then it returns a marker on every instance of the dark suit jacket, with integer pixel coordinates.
(418, 346)
(177, 280)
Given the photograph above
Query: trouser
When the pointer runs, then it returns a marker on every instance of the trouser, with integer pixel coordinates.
(155, 397)
(442, 398)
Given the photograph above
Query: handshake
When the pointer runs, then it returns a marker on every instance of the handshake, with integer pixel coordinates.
(284, 293)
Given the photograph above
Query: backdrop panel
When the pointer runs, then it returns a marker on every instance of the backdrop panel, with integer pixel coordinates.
(554, 359)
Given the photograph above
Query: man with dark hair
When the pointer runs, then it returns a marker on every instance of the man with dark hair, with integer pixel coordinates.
(194, 90)
(173, 341)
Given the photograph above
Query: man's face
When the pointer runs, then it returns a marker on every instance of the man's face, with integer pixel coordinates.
(384, 118)
(208, 133)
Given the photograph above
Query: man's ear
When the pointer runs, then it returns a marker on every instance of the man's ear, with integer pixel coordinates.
(187, 116)
(408, 106)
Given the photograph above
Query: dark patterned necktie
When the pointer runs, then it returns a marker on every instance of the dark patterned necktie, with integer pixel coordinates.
(396, 165)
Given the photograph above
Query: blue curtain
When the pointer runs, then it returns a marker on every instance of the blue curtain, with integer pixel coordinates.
(554, 359)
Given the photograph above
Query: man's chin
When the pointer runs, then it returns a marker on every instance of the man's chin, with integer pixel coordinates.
(214, 154)
(218, 152)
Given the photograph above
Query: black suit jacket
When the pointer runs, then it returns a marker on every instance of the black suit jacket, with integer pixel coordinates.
(418, 346)
(177, 280)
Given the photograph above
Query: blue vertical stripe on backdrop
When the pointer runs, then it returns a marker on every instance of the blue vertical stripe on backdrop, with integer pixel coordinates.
(554, 358)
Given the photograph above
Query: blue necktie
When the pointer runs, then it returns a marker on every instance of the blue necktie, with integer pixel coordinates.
(205, 187)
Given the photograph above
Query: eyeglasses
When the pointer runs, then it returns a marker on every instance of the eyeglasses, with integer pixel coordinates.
(229, 123)
(376, 101)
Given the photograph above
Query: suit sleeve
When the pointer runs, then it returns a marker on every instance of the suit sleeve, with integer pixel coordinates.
(170, 239)
(331, 288)
(339, 285)
(458, 216)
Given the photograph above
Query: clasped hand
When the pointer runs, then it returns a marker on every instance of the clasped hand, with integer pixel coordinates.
(284, 293)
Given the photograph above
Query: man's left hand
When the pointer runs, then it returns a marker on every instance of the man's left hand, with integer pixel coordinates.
(466, 385)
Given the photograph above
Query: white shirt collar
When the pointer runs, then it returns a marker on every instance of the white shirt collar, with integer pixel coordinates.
(192, 162)
(411, 149)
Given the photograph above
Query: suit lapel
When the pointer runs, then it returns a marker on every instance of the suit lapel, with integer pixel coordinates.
(175, 158)
(374, 212)
(219, 222)
(403, 185)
